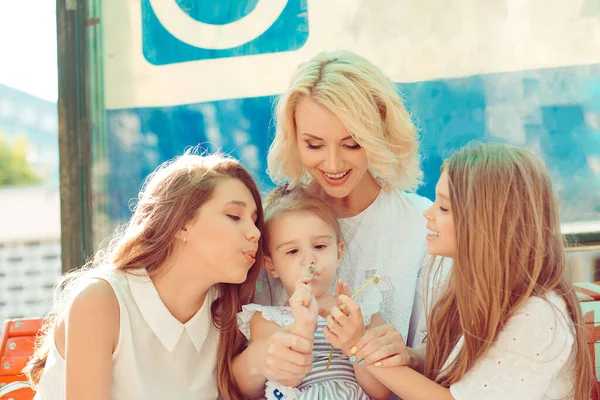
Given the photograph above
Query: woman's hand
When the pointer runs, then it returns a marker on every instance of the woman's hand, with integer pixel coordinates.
(288, 357)
(275, 353)
(382, 346)
(289, 352)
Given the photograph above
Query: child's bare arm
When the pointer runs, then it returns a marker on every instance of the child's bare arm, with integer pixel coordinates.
(305, 310)
(344, 329)
(261, 328)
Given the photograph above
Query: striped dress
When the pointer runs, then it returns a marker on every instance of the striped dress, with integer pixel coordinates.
(338, 383)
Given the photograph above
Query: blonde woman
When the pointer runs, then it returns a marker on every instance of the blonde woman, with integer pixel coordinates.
(343, 131)
(156, 317)
(508, 325)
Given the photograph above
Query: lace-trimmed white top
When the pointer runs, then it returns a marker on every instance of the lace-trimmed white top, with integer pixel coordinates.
(532, 358)
(339, 382)
(388, 239)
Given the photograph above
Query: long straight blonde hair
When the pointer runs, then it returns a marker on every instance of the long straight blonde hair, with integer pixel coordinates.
(509, 247)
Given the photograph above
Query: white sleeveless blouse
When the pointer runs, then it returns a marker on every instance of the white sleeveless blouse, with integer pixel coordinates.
(157, 357)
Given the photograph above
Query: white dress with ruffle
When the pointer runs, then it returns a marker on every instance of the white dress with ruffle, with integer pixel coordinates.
(339, 382)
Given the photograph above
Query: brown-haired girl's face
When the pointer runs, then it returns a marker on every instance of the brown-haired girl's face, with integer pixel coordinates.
(222, 239)
(441, 240)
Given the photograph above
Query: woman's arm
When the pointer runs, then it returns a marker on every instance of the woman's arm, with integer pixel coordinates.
(409, 384)
(372, 386)
(91, 334)
(274, 353)
(248, 370)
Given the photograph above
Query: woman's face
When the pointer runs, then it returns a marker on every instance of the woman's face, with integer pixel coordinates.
(223, 238)
(327, 150)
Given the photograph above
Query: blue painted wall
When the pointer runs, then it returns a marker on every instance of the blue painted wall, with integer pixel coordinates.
(554, 112)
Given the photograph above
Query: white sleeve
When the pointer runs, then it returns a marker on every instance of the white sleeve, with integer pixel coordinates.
(282, 316)
(428, 289)
(417, 327)
(371, 303)
(532, 348)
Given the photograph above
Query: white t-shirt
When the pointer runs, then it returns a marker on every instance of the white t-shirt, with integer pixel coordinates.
(157, 357)
(387, 239)
(533, 357)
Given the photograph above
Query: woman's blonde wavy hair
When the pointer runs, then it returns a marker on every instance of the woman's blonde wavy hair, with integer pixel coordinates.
(368, 104)
(170, 198)
(509, 247)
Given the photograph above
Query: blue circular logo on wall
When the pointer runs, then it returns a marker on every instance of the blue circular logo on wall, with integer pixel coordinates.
(176, 31)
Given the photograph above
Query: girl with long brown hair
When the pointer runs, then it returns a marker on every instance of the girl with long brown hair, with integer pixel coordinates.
(508, 324)
(154, 317)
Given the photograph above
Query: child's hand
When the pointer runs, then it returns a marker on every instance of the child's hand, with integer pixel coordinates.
(341, 288)
(344, 328)
(305, 308)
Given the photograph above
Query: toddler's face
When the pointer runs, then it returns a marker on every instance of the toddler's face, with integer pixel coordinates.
(302, 244)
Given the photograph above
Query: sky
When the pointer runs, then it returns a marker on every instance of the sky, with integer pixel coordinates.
(28, 47)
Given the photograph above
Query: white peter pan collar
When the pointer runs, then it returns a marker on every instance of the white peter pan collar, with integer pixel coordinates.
(164, 325)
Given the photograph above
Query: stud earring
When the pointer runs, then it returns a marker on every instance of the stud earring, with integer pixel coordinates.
(185, 238)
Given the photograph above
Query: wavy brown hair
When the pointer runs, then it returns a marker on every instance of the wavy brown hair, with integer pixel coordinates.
(170, 198)
(509, 247)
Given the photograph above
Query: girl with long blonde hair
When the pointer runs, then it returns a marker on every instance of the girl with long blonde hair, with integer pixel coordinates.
(508, 324)
(154, 317)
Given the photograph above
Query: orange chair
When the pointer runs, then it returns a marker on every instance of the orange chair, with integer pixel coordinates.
(18, 338)
(589, 300)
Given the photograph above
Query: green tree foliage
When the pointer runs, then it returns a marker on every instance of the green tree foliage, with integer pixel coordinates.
(14, 169)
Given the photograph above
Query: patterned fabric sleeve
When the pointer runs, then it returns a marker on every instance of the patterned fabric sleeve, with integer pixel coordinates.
(532, 348)
(282, 316)
(431, 281)
(371, 302)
